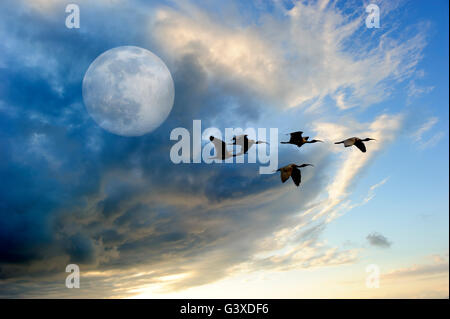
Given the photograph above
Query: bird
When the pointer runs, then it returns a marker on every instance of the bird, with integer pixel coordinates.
(357, 142)
(220, 149)
(299, 140)
(245, 143)
(292, 170)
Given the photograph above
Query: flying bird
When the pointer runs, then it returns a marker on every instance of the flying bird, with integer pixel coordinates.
(245, 143)
(220, 148)
(292, 170)
(299, 140)
(357, 142)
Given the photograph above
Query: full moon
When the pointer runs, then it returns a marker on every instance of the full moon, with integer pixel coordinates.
(128, 91)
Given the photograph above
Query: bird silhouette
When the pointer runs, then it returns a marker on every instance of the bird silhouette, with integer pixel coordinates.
(356, 141)
(292, 170)
(245, 143)
(220, 147)
(298, 139)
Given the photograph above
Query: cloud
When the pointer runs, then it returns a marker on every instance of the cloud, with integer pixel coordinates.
(428, 125)
(50, 6)
(437, 268)
(378, 240)
(348, 205)
(415, 90)
(384, 129)
(310, 38)
(72, 192)
(423, 278)
(371, 193)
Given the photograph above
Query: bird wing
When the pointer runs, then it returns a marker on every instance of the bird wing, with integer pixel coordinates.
(296, 176)
(350, 141)
(243, 142)
(239, 139)
(361, 146)
(295, 136)
(285, 173)
(220, 148)
(248, 144)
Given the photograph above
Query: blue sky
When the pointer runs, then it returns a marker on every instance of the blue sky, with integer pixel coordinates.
(118, 207)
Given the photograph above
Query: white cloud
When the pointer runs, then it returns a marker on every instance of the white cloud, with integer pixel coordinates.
(415, 90)
(438, 268)
(301, 57)
(352, 161)
(297, 58)
(418, 136)
(424, 128)
(297, 243)
(371, 193)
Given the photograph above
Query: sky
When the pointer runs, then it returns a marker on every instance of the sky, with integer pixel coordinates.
(140, 226)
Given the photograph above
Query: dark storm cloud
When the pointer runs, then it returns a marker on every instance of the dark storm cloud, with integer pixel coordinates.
(80, 249)
(72, 192)
(378, 240)
(48, 126)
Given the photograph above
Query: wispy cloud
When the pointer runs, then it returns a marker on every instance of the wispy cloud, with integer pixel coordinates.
(128, 215)
(371, 193)
(352, 161)
(427, 126)
(309, 38)
(439, 267)
(415, 90)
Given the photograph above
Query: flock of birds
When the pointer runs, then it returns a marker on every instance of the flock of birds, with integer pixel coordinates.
(296, 138)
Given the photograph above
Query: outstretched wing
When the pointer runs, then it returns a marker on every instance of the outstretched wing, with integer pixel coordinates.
(243, 142)
(239, 139)
(296, 176)
(286, 173)
(220, 147)
(361, 146)
(350, 141)
(296, 136)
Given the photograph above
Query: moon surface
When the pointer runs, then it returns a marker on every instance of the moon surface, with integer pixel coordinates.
(128, 91)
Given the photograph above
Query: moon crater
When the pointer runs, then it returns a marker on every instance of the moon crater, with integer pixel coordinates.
(128, 91)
